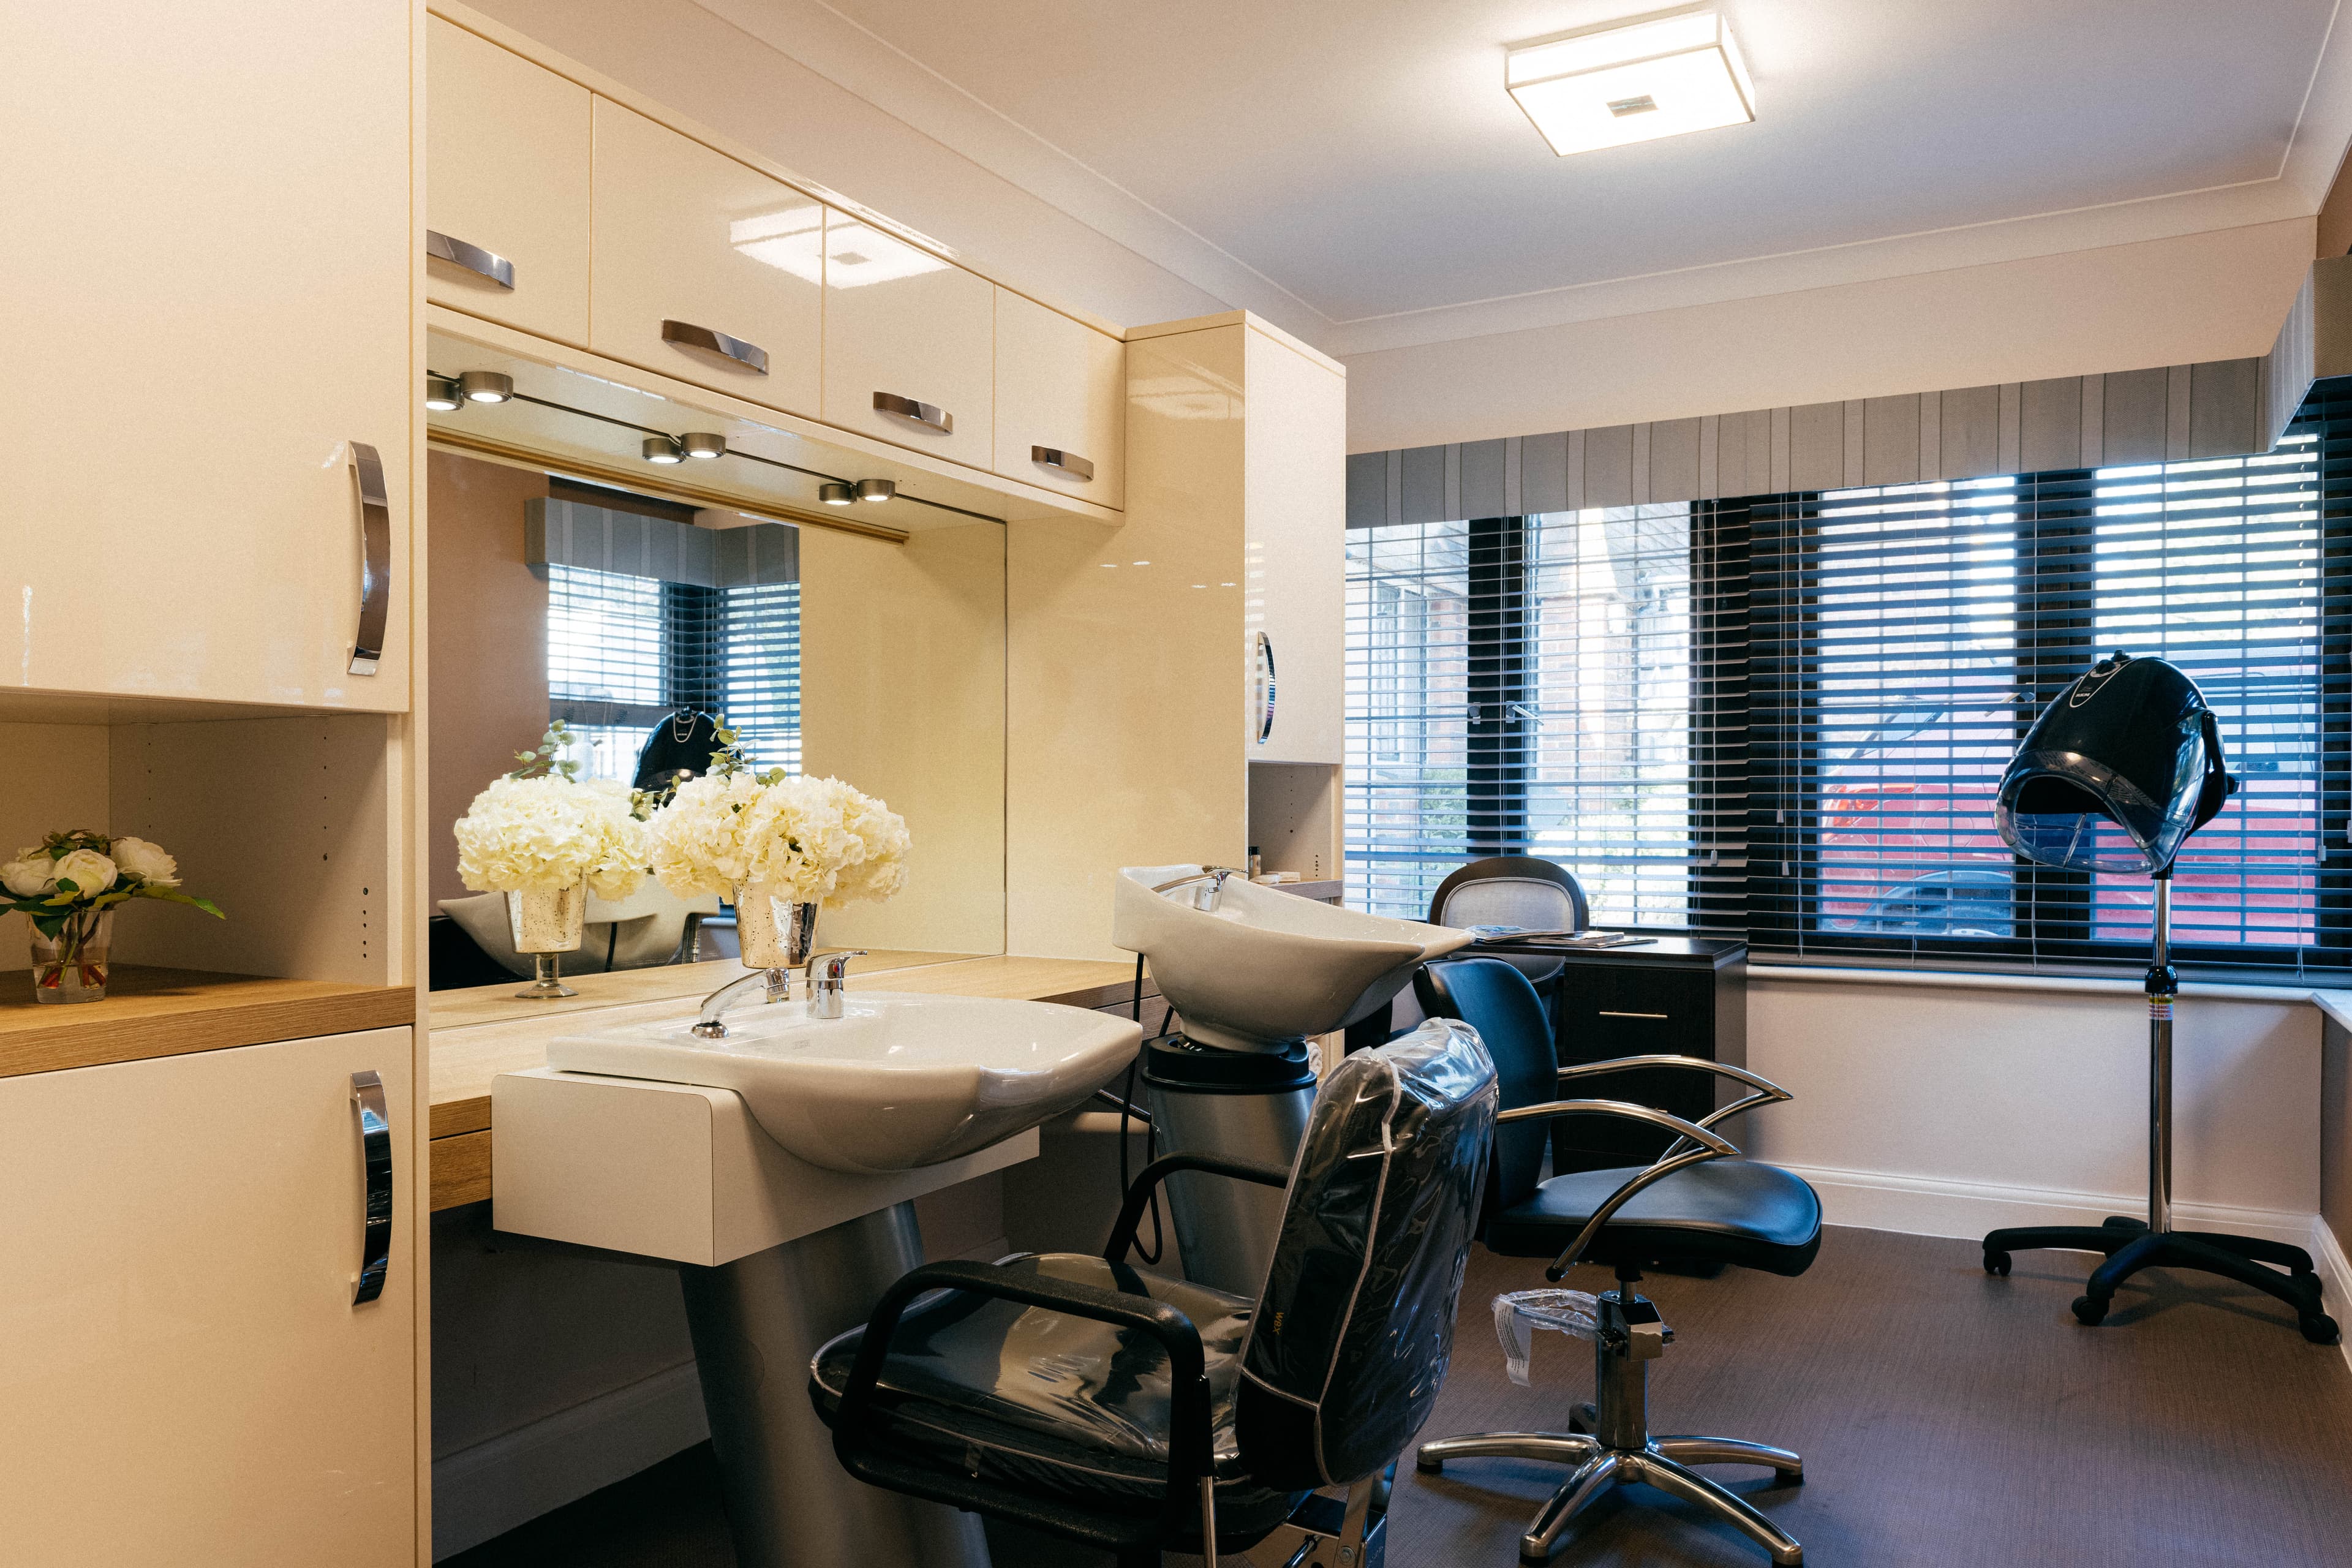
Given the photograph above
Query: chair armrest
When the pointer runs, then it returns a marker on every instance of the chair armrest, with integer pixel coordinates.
(1767, 1091)
(1192, 1458)
(1695, 1131)
(1709, 1145)
(1139, 1193)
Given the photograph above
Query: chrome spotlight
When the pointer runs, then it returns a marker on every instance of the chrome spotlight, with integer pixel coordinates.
(877, 489)
(662, 449)
(442, 396)
(703, 444)
(486, 386)
(835, 495)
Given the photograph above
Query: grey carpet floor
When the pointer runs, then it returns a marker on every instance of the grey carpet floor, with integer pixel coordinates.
(1946, 1417)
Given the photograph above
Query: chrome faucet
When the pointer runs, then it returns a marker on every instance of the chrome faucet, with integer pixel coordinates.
(1213, 878)
(825, 983)
(777, 985)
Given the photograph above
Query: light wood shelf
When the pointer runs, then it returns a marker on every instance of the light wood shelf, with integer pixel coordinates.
(152, 1011)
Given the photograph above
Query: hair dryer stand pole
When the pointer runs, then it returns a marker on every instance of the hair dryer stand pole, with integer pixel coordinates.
(2132, 1245)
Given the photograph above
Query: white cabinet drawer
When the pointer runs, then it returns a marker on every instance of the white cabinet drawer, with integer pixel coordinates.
(1061, 402)
(505, 183)
(904, 325)
(705, 269)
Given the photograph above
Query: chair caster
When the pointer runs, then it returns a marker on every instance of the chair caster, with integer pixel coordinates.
(2090, 1312)
(2319, 1329)
(1584, 1418)
(1427, 1463)
(1995, 1262)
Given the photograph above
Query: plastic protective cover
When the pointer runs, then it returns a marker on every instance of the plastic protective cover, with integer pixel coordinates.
(2117, 772)
(1519, 1313)
(1354, 1330)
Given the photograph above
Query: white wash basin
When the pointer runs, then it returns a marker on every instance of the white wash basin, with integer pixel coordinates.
(1266, 967)
(897, 1081)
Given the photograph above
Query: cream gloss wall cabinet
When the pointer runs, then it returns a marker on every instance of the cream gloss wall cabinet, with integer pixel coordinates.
(705, 268)
(187, 1380)
(1061, 402)
(210, 282)
(507, 210)
(1294, 548)
(909, 345)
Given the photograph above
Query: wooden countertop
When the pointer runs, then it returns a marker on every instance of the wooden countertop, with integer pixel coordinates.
(204, 1012)
(479, 1033)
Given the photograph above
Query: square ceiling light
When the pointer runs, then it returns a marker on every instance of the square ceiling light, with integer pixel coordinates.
(1631, 81)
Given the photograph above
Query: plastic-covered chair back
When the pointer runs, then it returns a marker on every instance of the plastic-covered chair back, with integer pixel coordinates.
(1352, 1336)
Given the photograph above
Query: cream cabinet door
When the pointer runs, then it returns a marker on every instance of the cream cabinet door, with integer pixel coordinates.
(1295, 551)
(1061, 402)
(906, 329)
(185, 1379)
(705, 268)
(211, 271)
(506, 193)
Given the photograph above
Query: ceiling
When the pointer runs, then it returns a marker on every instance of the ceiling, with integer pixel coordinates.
(1354, 169)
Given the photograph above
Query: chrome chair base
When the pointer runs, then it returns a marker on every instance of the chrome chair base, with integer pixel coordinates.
(1616, 1448)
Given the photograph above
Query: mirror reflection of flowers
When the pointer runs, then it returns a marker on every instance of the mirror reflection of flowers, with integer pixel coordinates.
(68, 884)
(808, 841)
(543, 828)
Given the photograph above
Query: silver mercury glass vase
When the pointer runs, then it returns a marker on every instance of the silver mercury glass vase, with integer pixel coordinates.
(775, 931)
(545, 925)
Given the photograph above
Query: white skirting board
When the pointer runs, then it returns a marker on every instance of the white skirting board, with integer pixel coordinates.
(512, 1478)
(1924, 1206)
(2335, 1275)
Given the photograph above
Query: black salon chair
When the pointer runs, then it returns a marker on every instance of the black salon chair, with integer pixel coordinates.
(1697, 1201)
(1136, 1413)
(1513, 890)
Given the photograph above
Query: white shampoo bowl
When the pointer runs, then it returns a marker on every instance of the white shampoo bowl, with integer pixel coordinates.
(1266, 967)
(896, 1082)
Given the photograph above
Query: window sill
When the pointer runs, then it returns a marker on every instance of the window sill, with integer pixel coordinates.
(2335, 1004)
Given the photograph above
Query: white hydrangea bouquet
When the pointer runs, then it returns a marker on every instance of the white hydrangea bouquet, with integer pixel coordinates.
(781, 846)
(69, 885)
(547, 838)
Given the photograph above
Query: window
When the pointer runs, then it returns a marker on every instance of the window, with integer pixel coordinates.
(1787, 717)
(625, 652)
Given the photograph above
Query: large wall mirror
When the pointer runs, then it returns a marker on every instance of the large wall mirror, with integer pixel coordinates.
(878, 660)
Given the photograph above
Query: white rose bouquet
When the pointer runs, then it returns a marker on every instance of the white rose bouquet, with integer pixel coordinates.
(806, 840)
(67, 885)
(542, 829)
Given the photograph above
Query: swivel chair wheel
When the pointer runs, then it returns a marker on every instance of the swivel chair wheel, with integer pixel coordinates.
(2319, 1329)
(2090, 1312)
(1995, 1262)
(1427, 1463)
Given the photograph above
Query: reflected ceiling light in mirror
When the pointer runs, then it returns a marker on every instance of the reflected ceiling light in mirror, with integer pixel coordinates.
(791, 239)
(837, 495)
(857, 254)
(1630, 81)
(703, 444)
(486, 386)
(662, 449)
(441, 394)
(877, 489)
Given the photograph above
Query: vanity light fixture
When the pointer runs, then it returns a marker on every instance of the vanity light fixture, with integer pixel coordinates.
(662, 449)
(703, 444)
(837, 495)
(486, 386)
(877, 489)
(441, 394)
(1631, 81)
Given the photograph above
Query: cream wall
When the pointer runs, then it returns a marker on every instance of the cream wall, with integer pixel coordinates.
(53, 778)
(2215, 295)
(902, 694)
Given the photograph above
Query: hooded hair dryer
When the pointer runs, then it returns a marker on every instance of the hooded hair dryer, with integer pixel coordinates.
(2114, 776)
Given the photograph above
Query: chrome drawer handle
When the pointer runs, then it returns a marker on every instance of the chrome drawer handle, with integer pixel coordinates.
(375, 1165)
(1607, 1014)
(736, 349)
(375, 558)
(489, 264)
(1069, 463)
(930, 415)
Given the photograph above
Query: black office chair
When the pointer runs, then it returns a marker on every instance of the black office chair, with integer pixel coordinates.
(1136, 1413)
(1697, 1201)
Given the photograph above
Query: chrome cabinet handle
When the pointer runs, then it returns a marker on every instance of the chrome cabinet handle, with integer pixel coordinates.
(375, 1166)
(721, 343)
(1070, 463)
(489, 264)
(375, 558)
(1266, 688)
(930, 415)
(1607, 1014)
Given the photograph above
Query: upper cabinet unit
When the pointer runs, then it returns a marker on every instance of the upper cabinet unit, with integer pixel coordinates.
(212, 281)
(1294, 550)
(507, 203)
(1061, 402)
(706, 270)
(909, 345)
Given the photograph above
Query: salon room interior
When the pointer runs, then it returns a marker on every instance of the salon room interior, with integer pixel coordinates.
(792, 783)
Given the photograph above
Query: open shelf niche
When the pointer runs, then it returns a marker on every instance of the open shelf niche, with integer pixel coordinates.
(1296, 811)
